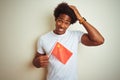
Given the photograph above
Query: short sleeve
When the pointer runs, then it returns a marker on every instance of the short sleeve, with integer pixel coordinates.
(40, 46)
(79, 35)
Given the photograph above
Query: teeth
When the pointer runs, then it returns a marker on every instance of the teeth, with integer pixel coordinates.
(61, 29)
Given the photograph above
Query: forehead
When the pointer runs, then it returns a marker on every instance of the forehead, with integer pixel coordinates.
(64, 17)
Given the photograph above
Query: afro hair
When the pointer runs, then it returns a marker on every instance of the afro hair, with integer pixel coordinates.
(63, 8)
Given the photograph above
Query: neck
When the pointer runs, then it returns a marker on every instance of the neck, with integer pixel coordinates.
(58, 32)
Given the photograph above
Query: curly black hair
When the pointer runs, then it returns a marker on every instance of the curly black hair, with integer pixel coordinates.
(63, 8)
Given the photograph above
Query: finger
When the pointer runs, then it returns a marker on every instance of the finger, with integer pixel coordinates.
(44, 64)
(44, 61)
(44, 58)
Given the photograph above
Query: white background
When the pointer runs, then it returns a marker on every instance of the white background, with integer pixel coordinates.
(23, 21)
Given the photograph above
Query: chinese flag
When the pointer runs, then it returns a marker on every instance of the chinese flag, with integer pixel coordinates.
(61, 53)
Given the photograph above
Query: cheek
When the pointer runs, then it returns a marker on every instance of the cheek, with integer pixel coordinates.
(58, 25)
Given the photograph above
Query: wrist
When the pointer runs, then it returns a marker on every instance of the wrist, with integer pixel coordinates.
(81, 20)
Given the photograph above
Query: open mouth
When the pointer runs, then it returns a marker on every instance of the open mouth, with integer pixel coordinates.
(61, 30)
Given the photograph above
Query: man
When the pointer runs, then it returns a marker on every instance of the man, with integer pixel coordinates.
(57, 50)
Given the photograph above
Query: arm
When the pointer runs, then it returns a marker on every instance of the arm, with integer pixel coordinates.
(93, 37)
(40, 60)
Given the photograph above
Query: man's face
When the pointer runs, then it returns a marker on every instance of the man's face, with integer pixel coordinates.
(62, 23)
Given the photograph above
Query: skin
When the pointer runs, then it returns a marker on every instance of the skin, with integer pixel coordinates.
(91, 38)
(62, 23)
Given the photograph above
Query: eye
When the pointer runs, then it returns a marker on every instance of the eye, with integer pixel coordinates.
(67, 23)
(63, 21)
(59, 20)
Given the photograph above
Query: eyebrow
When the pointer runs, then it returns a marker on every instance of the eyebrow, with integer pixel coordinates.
(64, 20)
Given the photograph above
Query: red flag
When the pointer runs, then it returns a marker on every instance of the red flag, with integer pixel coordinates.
(61, 53)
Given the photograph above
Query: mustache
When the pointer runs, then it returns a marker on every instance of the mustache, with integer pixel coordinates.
(59, 27)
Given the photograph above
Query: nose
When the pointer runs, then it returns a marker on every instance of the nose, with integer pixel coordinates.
(62, 25)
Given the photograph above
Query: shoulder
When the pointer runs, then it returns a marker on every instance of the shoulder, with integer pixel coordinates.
(77, 35)
(43, 37)
(46, 35)
(77, 32)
